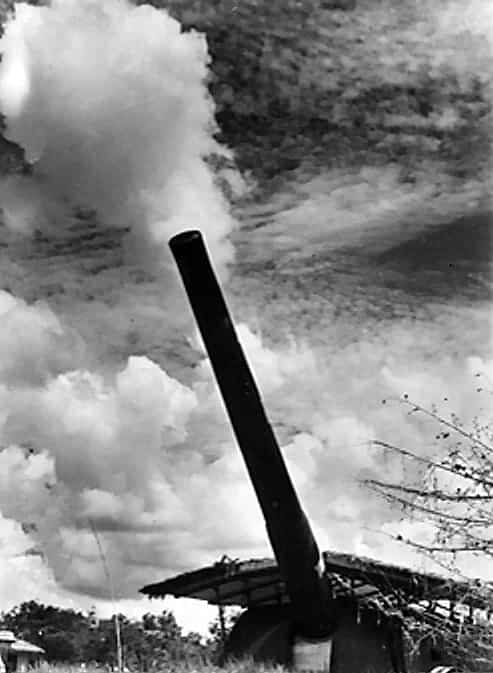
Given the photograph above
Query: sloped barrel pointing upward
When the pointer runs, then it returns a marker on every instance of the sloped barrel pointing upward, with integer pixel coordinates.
(289, 531)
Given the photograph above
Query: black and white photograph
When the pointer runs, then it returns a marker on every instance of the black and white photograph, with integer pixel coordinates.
(246, 344)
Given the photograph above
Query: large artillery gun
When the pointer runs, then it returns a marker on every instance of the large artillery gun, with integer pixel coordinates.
(309, 611)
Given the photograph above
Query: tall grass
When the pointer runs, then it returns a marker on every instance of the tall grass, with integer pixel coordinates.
(245, 666)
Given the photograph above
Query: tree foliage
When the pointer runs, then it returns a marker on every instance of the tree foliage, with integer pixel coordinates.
(152, 643)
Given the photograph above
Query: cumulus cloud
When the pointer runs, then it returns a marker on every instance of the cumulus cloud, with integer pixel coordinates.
(33, 344)
(21, 567)
(127, 455)
(150, 463)
(137, 455)
(470, 26)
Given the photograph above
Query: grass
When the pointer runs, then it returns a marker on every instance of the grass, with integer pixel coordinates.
(247, 666)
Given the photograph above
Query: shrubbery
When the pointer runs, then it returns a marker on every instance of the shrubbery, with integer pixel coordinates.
(152, 643)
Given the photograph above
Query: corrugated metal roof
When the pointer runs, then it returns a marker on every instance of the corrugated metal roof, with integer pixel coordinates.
(22, 646)
(6, 636)
(258, 582)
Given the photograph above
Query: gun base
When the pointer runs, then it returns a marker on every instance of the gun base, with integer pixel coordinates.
(362, 641)
(312, 656)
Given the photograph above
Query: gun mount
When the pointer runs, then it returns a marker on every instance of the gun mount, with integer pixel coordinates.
(313, 612)
(288, 529)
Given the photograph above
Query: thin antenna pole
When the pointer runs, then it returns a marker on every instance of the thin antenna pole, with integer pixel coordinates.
(119, 651)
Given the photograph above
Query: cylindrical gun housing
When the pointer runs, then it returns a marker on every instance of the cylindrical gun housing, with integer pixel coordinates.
(289, 532)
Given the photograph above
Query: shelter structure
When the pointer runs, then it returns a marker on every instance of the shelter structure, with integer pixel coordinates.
(18, 655)
(441, 609)
(258, 582)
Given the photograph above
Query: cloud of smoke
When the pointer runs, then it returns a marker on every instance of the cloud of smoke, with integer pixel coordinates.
(110, 102)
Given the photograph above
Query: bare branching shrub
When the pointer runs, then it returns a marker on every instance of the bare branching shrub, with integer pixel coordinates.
(452, 492)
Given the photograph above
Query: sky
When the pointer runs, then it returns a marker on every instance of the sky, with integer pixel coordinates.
(111, 421)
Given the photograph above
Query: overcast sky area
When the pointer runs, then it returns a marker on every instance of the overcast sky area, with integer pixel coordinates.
(347, 288)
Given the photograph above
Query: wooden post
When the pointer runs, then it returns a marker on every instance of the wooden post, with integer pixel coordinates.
(119, 653)
(222, 622)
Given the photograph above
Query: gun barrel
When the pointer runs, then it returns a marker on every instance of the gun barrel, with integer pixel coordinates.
(288, 529)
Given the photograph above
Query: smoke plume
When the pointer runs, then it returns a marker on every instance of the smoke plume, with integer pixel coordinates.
(110, 102)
